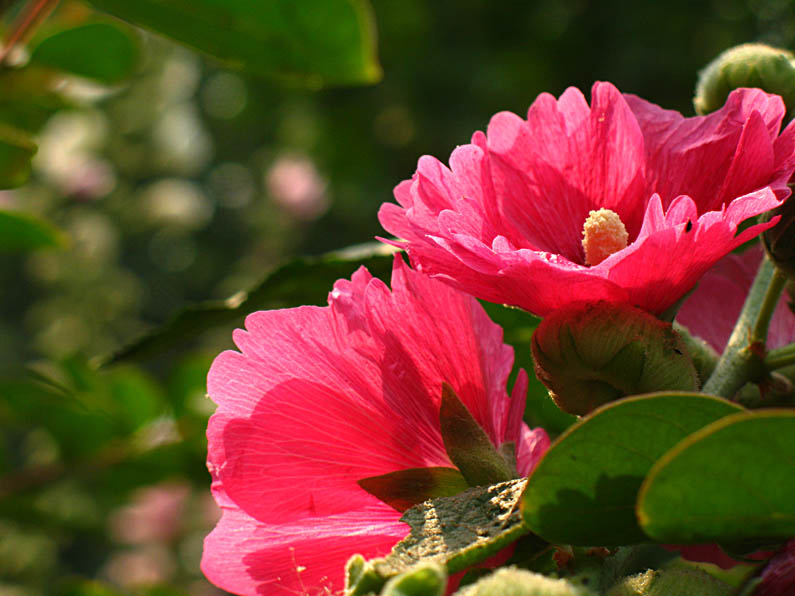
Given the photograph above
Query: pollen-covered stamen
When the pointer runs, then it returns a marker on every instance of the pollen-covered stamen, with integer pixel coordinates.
(603, 233)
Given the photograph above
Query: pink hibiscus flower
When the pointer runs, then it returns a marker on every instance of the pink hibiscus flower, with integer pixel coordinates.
(320, 398)
(711, 311)
(620, 201)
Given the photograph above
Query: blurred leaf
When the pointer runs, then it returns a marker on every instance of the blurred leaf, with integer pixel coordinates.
(592, 473)
(456, 532)
(23, 232)
(16, 151)
(104, 52)
(103, 405)
(85, 587)
(729, 481)
(518, 327)
(28, 100)
(316, 41)
(301, 281)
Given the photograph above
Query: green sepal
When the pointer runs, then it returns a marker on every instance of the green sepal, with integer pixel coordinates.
(468, 445)
(405, 488)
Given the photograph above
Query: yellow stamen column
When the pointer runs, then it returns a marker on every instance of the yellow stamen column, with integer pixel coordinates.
(603, 233)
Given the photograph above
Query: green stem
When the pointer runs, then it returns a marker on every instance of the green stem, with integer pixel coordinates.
(743, 359)
(780, 357)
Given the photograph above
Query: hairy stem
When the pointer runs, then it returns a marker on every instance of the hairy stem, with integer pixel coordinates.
(743, 359)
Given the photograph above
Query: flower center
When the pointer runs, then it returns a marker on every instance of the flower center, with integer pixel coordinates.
(603, 233)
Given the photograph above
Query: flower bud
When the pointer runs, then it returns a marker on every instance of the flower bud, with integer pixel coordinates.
(779, 240)
(747, 65)
(677, 580)
(592, 354)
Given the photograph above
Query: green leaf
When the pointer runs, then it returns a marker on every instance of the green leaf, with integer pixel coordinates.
(468, 445)
(583, 491)
(306, 280)
(314, 41)
(22, 232)
(16, 151)
(405, 488)
(732, 480)
(455, 532)
(104, 52)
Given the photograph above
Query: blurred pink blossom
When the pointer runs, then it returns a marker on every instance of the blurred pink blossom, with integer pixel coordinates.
(295, 184)
(319, 398)
(658, 196)
(154, 515)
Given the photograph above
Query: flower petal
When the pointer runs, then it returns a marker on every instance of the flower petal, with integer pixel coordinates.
(319, 398)
(248, 557)
(511, 232)
(712, 309)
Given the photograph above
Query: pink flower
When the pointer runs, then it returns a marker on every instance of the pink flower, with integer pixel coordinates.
(620, 201)
(778, 576)
(712, 309)
(319, 398)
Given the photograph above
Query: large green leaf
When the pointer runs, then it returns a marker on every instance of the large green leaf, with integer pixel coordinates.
(583, 491)
(105, 52)
(20, 232)
(732, 480)
(317, 41)
(306, 280)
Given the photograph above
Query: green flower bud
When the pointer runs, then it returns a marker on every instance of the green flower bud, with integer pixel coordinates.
(425, 579)
(747, 65)
(509, 581)
(592, 354)
(779, 240)
(669, 582)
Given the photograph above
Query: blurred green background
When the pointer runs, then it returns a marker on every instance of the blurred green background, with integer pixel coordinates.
(176, 180)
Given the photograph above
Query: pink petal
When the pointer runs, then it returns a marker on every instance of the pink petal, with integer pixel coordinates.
(712, 310)
(319, 398)
(247, 557)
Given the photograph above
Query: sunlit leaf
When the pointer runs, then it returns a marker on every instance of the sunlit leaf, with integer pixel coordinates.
(583, 491)
(732, 480)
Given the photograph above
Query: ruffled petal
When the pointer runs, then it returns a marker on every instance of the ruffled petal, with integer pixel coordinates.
(681, 186)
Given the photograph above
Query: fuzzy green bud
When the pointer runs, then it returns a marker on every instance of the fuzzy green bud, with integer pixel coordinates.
(747, 65)
(593, 354)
